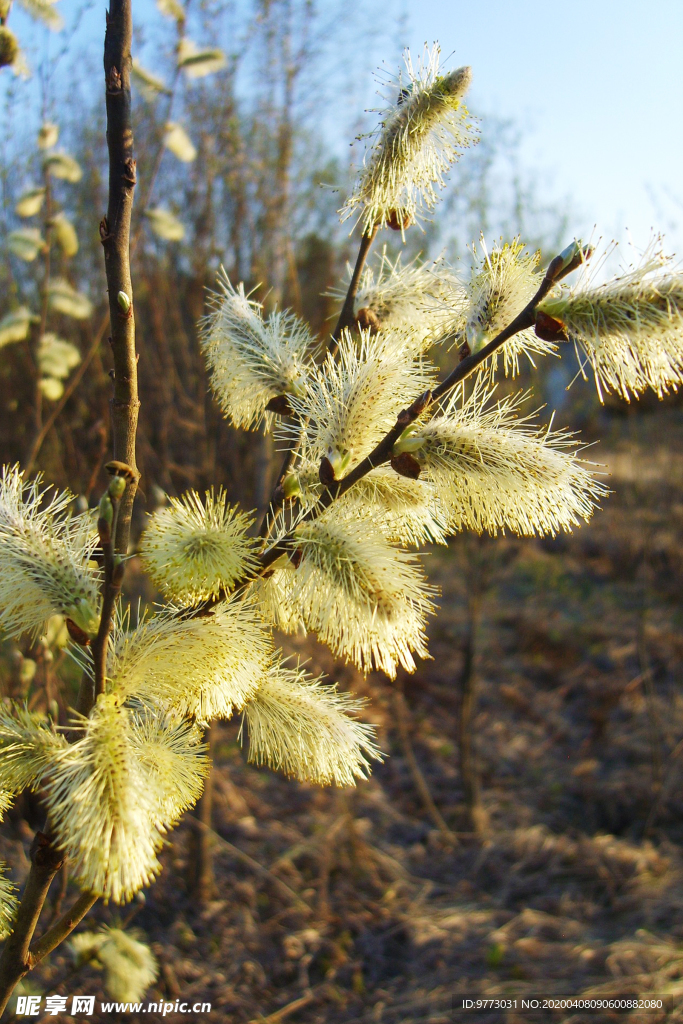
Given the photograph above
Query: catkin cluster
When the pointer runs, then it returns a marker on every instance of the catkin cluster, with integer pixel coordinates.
(336, 556)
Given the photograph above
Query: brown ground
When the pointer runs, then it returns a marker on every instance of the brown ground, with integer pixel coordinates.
(577, 886)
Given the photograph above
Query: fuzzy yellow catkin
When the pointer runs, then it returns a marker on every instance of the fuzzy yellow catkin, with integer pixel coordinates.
(300, 726)
(129, 965)
(195, 548)
(252, 360)
(8, 903)
(502, 283)
(175, 758)
(202, 666)
(365, 599)
(28, 746)
(44, 558)
(408, 512)
(417, 301)
(630, 329)
(103, 806)
(419, 137)
(495, 471)
(352, 399)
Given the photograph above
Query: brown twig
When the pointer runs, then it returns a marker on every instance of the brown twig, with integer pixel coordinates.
(347, 317)
(62, 928)
(297, 1004)
(15, 961)
(116, 244)
(383, 451)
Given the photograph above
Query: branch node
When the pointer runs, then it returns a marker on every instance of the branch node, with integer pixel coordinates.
(114, 80)
(129, 176)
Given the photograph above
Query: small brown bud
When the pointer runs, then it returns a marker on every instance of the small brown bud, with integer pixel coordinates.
(295, 557)
(367, 319)
(464, 351)
(116, 468)
(78, 635)
(406, 464)
(104, 531)
(326, 472)
(548, 328)
(397, 221)
(280, 405)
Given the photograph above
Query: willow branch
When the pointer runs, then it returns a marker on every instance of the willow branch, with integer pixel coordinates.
(62, 928)
(17, 958)
(381, 454)
(347, 317)
(116, 243)
(15, 961)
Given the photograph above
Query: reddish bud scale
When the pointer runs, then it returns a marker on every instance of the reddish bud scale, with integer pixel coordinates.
(326, 472)
(406, 464)
(549, 329)
(367, 319)
(78, 635)
(280, 405)
(104, 531)
(398, 222)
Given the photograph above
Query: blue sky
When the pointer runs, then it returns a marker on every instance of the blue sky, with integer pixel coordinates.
(595, 87)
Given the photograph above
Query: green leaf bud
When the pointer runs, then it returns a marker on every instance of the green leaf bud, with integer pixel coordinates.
(117, 486)
(106, 509)
(291, 486)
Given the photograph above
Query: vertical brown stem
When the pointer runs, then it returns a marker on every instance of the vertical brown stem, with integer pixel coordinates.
(346, 317)
(116, 242)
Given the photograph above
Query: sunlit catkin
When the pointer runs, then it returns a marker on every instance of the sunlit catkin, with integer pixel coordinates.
(44, 558)
(630, 329)
(28, 747)
(205, 666)
(494, 471)
(8, 903)
(171, 752)
(418, 300)
(352, 399)
(300, 726)
(419, 137)
(195, 548)
(102, 808)
(502, 283)
(365, 599)
(252, 360)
